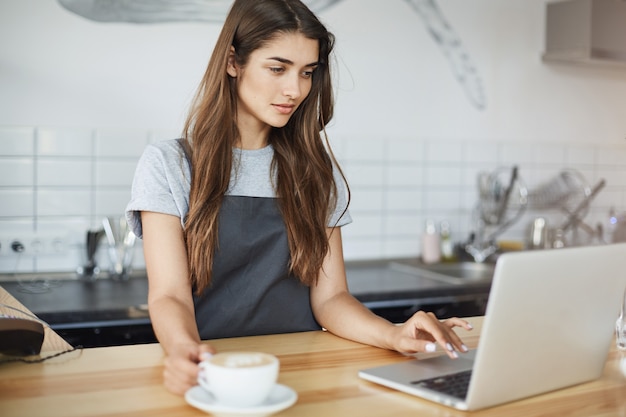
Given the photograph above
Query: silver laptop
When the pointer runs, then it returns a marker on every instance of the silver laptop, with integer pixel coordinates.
(549, 323)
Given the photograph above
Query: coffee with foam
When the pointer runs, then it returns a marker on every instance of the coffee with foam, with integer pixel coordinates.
(241, 379)
(242, 359)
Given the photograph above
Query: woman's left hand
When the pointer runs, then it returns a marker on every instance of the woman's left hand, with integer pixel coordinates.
(423, 331)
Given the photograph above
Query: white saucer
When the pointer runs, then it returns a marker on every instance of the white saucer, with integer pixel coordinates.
(280, 398)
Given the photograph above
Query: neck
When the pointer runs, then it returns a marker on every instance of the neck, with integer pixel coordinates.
(252, 143)
(253, 133)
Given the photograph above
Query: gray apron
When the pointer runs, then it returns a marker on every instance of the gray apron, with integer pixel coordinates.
(252, 292)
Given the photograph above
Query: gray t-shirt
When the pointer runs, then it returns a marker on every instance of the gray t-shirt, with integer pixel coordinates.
(163, 178)
(251, 291)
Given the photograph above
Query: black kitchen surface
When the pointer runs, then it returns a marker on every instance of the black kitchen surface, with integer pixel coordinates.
(52, 293)
(107, 312)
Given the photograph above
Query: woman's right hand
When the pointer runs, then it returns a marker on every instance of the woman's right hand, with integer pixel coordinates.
(181, 366)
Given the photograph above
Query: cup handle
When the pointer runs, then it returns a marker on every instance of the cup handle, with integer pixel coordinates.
(204, 383)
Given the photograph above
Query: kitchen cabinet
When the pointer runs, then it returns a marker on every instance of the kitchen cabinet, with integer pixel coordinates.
(88, 335)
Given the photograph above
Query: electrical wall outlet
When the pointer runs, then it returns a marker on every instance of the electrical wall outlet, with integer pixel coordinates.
(33, 244)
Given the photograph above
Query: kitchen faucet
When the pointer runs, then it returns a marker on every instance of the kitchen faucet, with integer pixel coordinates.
(498, 208)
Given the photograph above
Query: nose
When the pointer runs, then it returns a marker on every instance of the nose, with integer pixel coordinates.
(293, 88)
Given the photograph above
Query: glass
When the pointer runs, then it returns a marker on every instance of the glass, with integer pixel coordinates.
(620, 327)
(121, 241)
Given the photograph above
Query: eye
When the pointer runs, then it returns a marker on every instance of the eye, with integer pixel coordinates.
(277, 70)
(308, 73)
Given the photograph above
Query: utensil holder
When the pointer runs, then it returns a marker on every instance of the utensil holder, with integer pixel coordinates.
(121, 243)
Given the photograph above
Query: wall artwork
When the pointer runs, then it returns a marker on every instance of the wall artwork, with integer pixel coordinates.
(214, 11)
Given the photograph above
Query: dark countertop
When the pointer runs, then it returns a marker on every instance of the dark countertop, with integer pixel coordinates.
(66, 303)
(376, 283)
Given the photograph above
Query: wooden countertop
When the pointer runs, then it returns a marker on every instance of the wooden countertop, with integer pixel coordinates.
(322, 368)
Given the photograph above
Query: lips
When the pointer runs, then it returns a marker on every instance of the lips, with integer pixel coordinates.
(284, 108)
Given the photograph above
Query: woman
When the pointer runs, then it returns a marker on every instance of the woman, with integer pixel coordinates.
(241, 219)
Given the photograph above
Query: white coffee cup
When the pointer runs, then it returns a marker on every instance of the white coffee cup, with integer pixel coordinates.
(242, 379)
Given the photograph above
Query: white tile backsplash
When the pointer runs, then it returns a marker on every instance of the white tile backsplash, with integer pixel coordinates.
(115, 173)
(16, 172)
(73, 228)
(60, 182)
(403, 224)
(111, 202)
(405, 174)
(364, 174)
(405, 150)
(17, 141)
(611, 197)
(444, 151)
(404, 200)
(362, 248)
(484, 154)
(612, 156)
(550, 154)
(17, 203)
(517, 153)
(370, 225)
(438, 198)
(400, 247)
(615, 177)
(64, 172)
(443, 175)
(368, 150)
(63, 202)
(121, 143)
(580, 155)
(365, 199)
(13, 228)
(64, 142)
(13, 264)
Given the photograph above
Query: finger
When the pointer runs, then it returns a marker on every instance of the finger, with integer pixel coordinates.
(442, 334)
(457, 322)
(410, 346)
(456, 339)
(176, 382)
(426, 329)
(180, 372)
(205, 351)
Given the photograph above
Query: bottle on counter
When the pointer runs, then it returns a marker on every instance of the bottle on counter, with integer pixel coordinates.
(447, 246)
(431, 249)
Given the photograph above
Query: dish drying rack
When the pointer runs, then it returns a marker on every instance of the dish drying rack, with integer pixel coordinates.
(504, 198)
(569, 193)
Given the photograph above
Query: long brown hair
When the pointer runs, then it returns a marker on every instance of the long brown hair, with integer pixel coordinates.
(303, 161)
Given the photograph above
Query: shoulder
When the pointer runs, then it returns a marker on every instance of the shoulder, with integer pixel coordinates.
(165, 149)
(166, 154)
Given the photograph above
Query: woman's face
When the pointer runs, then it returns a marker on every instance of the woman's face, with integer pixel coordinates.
(274, 82)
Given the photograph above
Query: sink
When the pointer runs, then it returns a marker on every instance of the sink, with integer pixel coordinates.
(452, 273)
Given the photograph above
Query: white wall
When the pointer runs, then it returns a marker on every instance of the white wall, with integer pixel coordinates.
(82, 97)
(62, 70)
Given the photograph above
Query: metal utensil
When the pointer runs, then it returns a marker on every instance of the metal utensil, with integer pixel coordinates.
(574, 217)
(90, 270)
(121, 241)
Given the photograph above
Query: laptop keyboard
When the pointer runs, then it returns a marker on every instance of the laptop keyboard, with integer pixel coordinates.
(454, 385)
